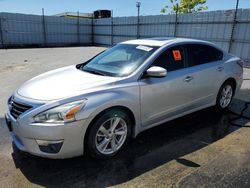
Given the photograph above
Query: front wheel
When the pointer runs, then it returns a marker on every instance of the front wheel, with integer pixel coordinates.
(225, 95)
(109, 134)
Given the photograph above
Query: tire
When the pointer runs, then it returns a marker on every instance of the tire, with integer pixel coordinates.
(225, 95)
(105, 141)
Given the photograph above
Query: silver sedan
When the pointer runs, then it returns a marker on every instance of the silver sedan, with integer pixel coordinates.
(97, 106)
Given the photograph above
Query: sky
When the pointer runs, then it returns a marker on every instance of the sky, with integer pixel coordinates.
(119, 7)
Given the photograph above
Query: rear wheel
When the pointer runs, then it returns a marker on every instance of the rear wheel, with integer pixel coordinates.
(225, 95)
(109, 134)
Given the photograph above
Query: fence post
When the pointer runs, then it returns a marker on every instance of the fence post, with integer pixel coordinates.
(1, 32)
(176, 20)
(112, 29)
(138, 28)
(138, 5)
(233, 27)
(44, 29)
(78, 28)
(92, 31)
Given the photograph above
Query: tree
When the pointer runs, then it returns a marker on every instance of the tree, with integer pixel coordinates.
(185, 6)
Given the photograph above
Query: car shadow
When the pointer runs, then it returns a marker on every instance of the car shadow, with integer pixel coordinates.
(151, 149)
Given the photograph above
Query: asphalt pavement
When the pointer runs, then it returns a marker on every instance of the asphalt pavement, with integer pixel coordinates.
(203, 149)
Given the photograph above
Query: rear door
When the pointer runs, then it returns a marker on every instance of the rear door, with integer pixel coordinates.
(206, 65)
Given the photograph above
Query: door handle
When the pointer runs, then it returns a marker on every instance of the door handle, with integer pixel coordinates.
(220, 69)
(188, 78)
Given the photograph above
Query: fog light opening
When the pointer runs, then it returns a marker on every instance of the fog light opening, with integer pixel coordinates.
(52, 147)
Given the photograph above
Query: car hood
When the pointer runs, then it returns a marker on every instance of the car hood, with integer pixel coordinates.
(61, 83)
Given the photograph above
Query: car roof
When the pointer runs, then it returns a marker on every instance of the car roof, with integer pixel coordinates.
(161, 41)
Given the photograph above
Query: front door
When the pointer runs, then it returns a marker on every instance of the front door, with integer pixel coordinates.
(163, 98)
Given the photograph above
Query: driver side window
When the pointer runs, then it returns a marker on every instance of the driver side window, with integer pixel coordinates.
(172, 59)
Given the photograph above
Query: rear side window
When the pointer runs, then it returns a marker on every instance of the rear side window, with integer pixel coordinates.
(172, 59)
(200, 54)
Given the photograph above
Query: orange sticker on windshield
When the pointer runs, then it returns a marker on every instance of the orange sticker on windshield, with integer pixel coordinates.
(177, 55)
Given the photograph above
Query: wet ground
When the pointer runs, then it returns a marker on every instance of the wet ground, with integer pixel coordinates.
(203, 149)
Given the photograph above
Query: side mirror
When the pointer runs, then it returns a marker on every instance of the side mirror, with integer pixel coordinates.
(156, 71)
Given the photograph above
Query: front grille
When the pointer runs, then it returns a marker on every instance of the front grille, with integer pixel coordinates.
(16, 108)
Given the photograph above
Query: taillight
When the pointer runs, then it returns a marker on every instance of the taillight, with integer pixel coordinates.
(240, 63)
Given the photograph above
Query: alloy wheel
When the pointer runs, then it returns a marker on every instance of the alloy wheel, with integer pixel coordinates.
(111, 135)
(226, 96)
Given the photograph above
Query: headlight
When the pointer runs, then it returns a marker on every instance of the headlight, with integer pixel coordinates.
(60, 114)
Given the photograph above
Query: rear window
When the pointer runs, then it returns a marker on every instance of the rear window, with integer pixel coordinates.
(200, 54)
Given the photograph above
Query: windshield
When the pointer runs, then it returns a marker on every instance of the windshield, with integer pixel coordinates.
(121, 60)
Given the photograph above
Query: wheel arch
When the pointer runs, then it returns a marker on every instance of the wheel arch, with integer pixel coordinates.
(233, 81)
(118, 107)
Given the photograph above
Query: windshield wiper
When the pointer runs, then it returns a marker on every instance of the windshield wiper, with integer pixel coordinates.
(95, 72)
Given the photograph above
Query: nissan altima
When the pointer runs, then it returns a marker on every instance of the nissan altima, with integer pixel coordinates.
(97, 106)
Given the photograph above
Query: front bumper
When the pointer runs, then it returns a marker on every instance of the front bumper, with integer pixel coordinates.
(33, 138)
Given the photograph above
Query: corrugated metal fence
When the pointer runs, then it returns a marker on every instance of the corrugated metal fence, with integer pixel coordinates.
(219, 27)
(214, 26)
(33, 30)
